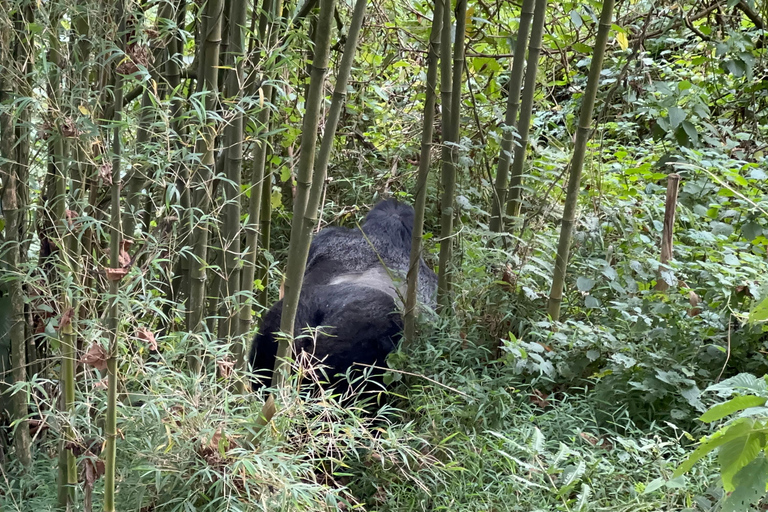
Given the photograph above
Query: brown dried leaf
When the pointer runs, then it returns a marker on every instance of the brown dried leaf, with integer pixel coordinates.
(69, 128)
(36, 426)
(539, 399)
(226, 366)
(105, 173)
(593, 440)
(124, 259)
(116, 274)
(148, 337)
(693, 298)
(95, 357)
(71, 215)
(66, 318)
(508, 276)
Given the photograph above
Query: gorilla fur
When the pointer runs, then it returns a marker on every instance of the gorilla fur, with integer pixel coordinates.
(354, 288)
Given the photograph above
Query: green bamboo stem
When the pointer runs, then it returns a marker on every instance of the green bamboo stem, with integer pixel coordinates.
(577, 162)
(449, 165)
(526, 109)
(513, 105)
(409, 317)
(234, 167)
(201, 179)
(299, 244)
(259, 210)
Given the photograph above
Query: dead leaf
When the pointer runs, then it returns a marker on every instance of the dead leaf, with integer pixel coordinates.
(66, 318)
(116, 274)
(148, 337)
(105, 173)
(95, 357)
(539, 399)
(694, 300)
(71, 215)
(69, 128)
(226, 366)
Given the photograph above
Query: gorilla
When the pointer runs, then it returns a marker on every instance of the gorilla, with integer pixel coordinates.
(353, 292)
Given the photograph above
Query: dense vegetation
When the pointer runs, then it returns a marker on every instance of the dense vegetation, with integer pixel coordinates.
(151, 157)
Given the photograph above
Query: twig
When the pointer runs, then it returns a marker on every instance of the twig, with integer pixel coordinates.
(433, 381)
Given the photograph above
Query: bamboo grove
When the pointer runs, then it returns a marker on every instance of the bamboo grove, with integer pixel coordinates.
(143, 148)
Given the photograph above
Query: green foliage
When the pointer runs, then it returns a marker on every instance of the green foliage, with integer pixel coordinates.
(741, 443)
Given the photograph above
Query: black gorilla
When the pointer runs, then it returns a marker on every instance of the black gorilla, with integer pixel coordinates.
(354, 286)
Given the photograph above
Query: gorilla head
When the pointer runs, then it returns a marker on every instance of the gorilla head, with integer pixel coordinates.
(353, 291)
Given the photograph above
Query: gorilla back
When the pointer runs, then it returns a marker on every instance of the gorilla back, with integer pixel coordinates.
(354, 285)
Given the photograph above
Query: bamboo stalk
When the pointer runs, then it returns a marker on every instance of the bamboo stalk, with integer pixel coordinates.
(577, 162)
(449, 166)
(409, 317)
(201, 178)
(526, 109)
(115, 243)
(57, 183)
(259, 209)
(234, 167)
(513, 105)
(299, 245)
(673, 182)
(14, 233)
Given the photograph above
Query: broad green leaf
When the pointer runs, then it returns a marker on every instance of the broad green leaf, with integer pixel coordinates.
(676, 116)
(576, 19)
(708, 444)
(750, 484)
(736, 454)
(741, 382)
(584, 284)
(691, 132)
(760, 312)
(654, 485)
(739, 403)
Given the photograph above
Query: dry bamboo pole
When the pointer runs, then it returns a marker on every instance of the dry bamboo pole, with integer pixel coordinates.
(24, 48)
(526, 109)
(577, 162)
(673, 183)
(14, 233)
(449, 167)
(115, 244)
(201, 178)
(409, 317)
(508, 127)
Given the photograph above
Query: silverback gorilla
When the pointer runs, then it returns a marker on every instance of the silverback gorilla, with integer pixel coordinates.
(354, 287)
